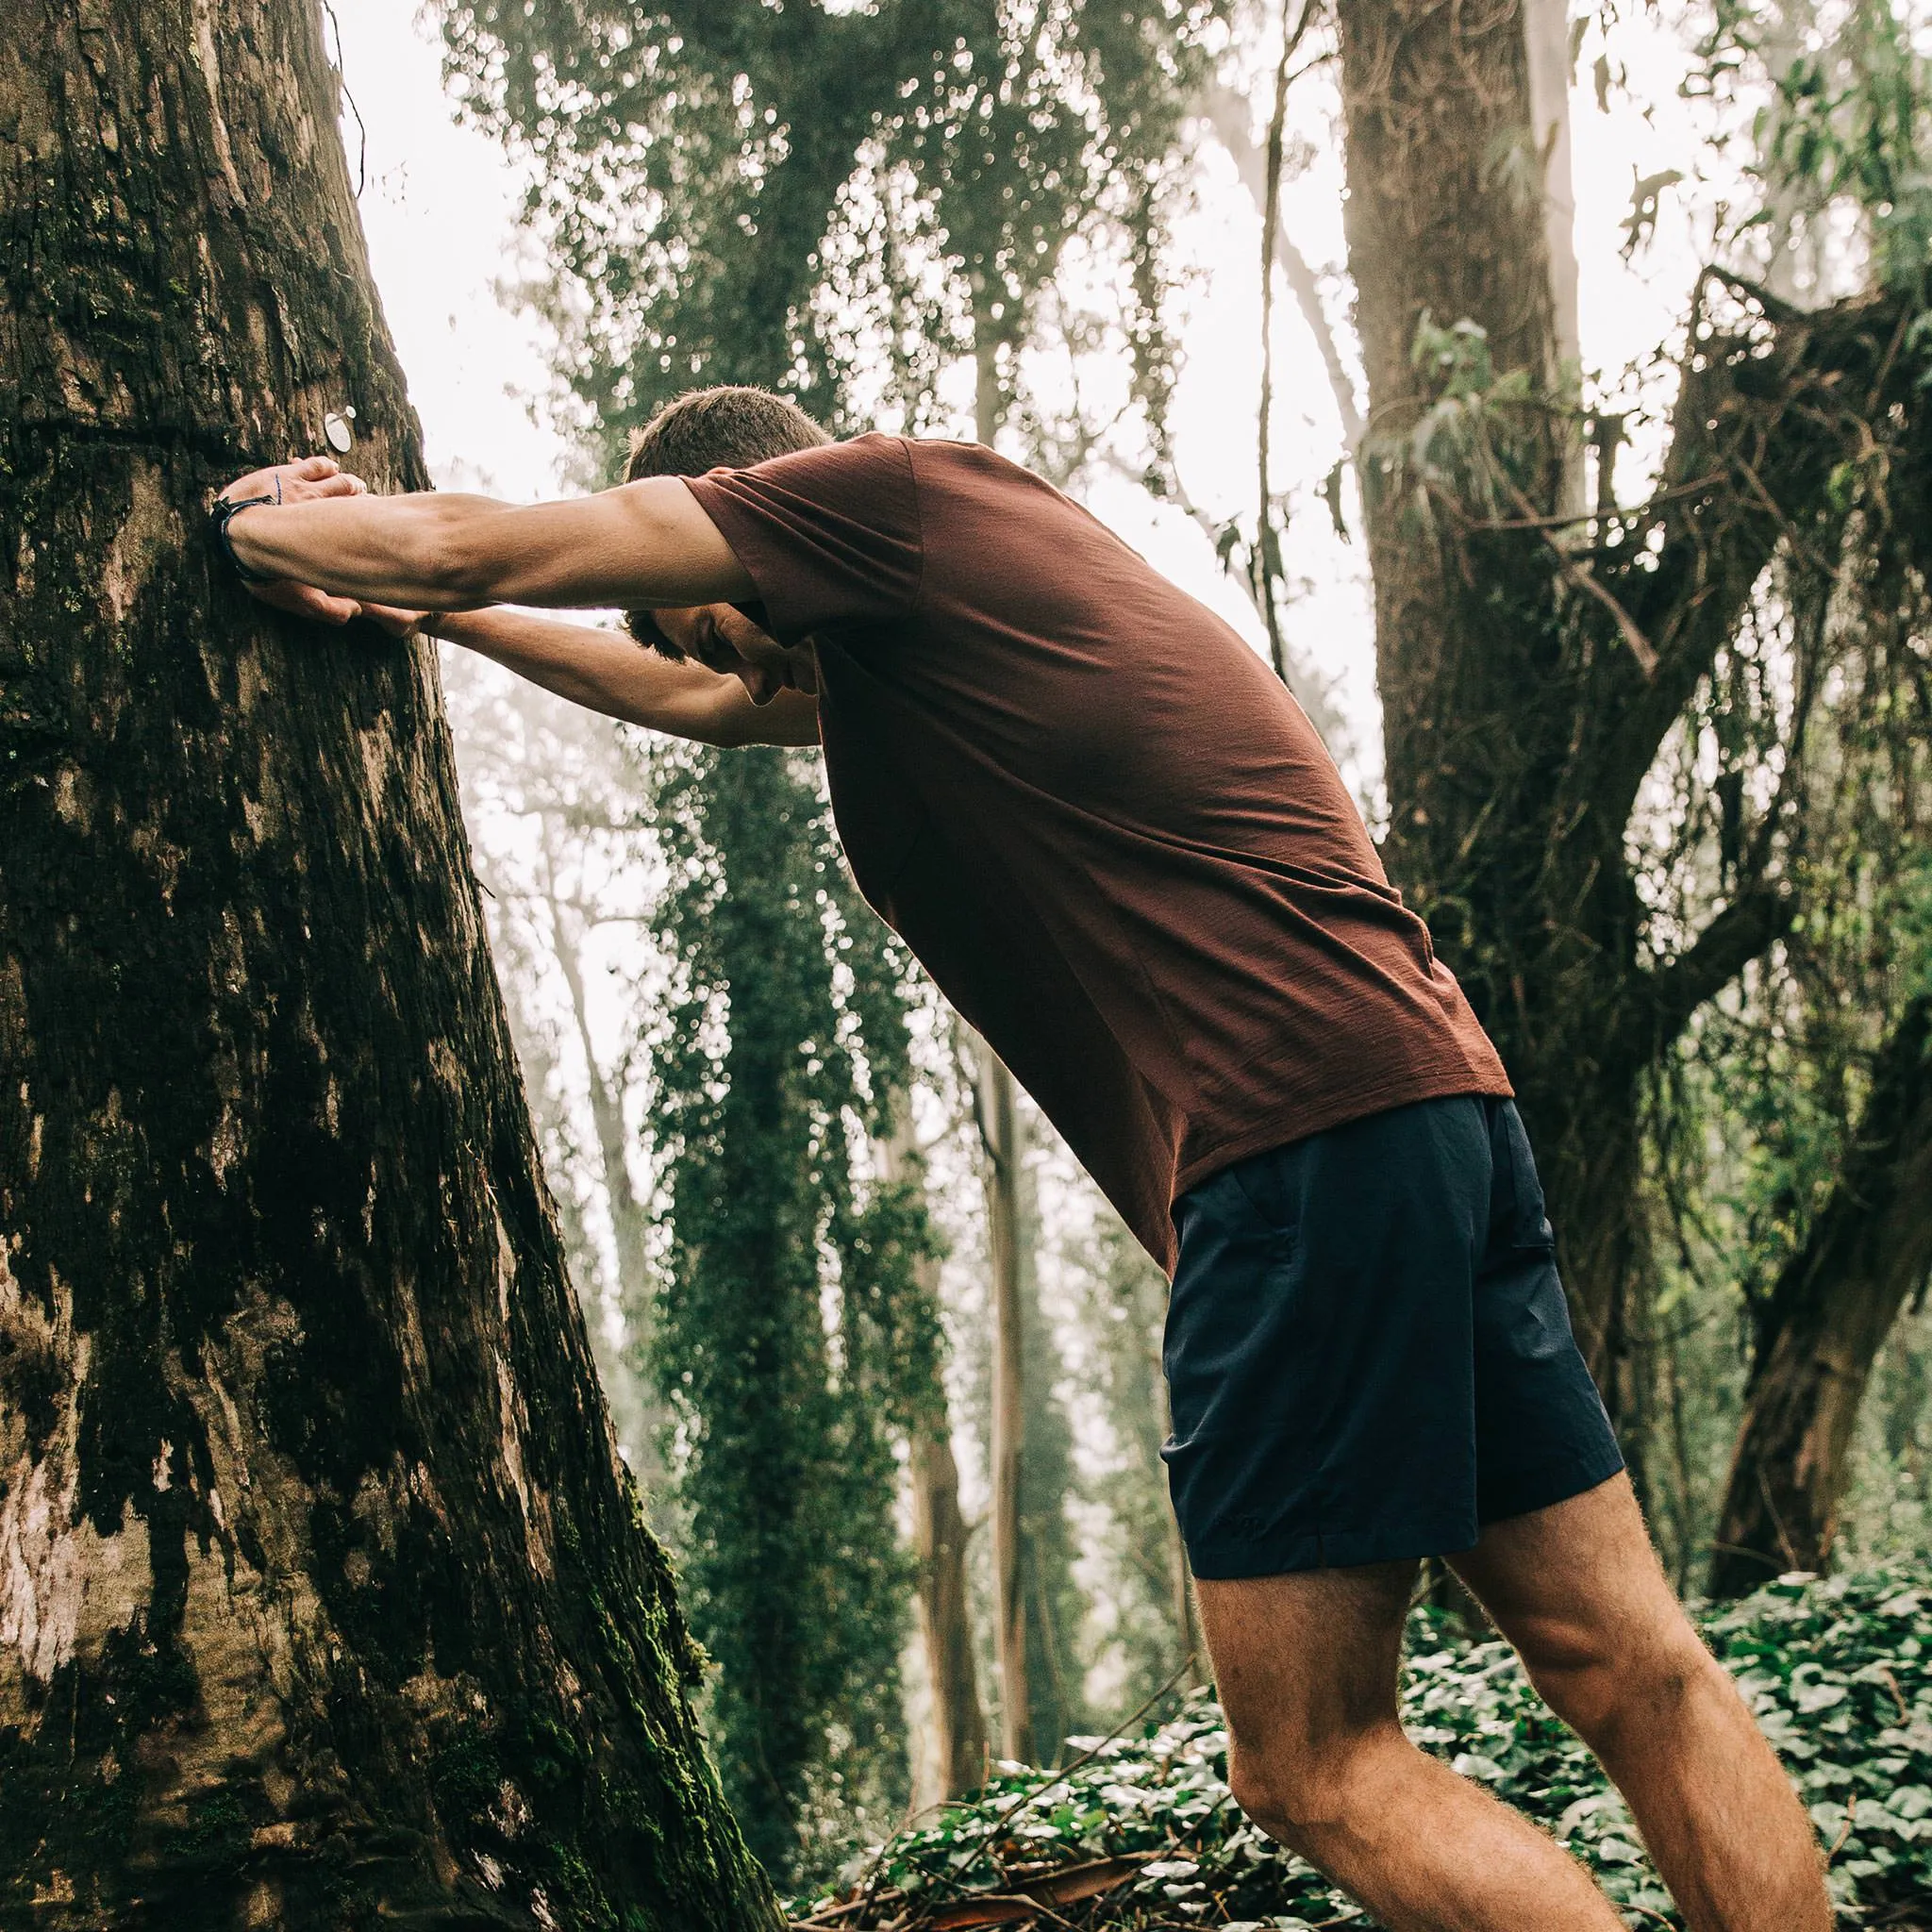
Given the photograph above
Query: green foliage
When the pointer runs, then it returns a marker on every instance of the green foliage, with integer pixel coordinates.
(1839, 1673)
(1825, 702)
(1846, 117)
(790, 1334)
(781, 194)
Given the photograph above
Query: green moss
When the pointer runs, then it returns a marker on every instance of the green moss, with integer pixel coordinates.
(465, 1775)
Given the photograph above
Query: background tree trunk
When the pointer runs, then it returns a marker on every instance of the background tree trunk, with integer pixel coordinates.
(1001, 1129)
(939, 1536)
(322, 1596)
(629, 1223)
(1006, 1449)
(1522, 706)
(1824, 1324)
(1469, 646)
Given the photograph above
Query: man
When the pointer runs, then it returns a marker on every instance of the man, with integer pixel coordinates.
(1121, 851)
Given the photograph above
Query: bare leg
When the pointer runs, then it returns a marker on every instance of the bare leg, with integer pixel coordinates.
(1308, 1666)
(1578, 1590)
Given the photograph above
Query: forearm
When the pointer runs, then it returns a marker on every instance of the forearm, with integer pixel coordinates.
(605, 671)
(640, 545)
(420, 552)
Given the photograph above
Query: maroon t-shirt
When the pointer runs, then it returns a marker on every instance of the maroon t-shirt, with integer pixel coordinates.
(1108, 833)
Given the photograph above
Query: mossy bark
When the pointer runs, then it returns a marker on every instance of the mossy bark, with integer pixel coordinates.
(322, 1599)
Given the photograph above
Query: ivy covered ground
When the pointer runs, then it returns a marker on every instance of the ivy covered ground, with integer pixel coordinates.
(1138, 1833)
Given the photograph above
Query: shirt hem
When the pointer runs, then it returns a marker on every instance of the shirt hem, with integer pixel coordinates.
(1338, 1109)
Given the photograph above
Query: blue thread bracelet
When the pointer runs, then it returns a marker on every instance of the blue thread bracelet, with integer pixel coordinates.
(221, 513)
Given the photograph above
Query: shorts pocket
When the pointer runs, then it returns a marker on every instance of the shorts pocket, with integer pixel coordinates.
(1265, 1183)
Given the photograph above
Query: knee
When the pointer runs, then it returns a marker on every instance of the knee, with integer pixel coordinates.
(1306, 1793)
(1600, 1683)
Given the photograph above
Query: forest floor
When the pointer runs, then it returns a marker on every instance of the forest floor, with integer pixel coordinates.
(1138, 1833)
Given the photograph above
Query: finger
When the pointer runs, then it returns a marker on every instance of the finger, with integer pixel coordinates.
(256, 483)
(312, 469)
(303, 600)
(398, 624)
(341, 484)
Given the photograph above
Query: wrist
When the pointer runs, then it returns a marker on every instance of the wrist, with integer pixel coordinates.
(221, 516)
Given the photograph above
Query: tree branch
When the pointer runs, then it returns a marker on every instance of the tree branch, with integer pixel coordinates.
(1767, 413)
(1229, 115)
(1745, 929)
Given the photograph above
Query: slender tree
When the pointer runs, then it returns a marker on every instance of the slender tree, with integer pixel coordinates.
(322, 1599)
(551, 801)
(768, 1075)
(939, 1530)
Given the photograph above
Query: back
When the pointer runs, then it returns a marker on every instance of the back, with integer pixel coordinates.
(1101, 823)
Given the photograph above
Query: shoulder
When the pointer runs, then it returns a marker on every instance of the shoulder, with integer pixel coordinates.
(871, 458)
(974, 470)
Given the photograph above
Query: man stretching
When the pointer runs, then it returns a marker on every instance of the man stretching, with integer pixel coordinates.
(1121, 851)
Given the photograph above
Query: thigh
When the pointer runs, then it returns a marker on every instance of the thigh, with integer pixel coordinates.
(1576, 1586)
(1304, 1659)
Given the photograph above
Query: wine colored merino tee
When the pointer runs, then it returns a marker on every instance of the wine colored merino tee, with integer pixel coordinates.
(1097, 817)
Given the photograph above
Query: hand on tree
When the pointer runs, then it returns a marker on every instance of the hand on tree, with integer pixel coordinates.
(303, 481)
(399, 624)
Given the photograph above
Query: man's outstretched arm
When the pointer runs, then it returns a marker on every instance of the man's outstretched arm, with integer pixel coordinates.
(644, 545)
(605, 671)
(330, 551)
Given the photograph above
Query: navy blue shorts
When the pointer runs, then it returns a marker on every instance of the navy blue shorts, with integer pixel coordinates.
(1368, 1352)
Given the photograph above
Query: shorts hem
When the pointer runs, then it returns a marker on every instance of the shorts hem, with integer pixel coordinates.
(1542, 1487)
(1346, 1549)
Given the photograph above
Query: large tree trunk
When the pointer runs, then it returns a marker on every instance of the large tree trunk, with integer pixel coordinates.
(1824, 1324)
(1522, 704)
(322, 1597)
(1469, 641)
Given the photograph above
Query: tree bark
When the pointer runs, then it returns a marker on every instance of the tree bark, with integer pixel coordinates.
(1526, 684)
(1000, 1129)
(1479, 726)
(1824, 1324)
(322, 1599)
(939, 1540)
(1546, 70)
(1004, 1151)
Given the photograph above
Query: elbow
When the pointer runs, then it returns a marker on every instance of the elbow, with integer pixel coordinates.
(451, 557)
(459, 573)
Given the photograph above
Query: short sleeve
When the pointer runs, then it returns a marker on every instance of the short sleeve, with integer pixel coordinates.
(830, 536)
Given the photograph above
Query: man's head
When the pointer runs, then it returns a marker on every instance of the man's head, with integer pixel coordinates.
(710, 429)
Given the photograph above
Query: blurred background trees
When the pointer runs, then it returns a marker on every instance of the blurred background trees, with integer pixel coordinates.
(1649, 751)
